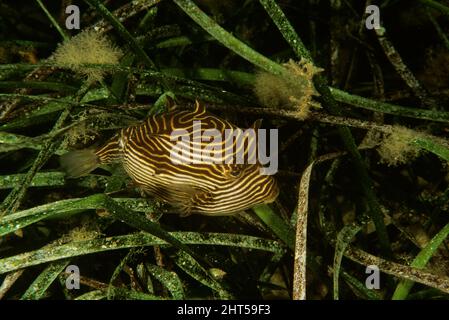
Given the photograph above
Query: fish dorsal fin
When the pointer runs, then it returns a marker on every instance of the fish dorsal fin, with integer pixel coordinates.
(184, 197)
(200, 108)
(257, 124)
(170, 103)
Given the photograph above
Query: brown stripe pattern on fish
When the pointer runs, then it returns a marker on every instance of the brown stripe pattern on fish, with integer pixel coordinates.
(217, 186)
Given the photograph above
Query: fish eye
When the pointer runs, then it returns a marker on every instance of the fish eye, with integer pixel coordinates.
(235, 172)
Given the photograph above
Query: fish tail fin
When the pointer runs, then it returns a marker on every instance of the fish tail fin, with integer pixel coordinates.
(79, 163)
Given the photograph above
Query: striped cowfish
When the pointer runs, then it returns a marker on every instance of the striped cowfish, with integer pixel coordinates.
(211, 184)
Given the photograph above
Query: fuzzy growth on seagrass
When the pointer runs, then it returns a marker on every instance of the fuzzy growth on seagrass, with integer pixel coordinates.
(396, 147)
(294, 90)
(88, 47)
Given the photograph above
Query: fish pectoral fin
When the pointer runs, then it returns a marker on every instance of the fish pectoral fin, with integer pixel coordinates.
(182, 196)
(183, 190)
(202, 197)
(191, 204)
(189, 201)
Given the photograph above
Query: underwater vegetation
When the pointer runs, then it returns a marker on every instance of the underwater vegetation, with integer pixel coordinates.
(91, 207)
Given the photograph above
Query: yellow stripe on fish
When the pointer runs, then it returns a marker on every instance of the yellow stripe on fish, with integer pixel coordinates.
(214, 187)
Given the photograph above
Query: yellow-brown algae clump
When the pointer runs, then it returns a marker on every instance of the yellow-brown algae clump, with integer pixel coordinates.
(396, 148)
(88, 47)
(294, 90)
